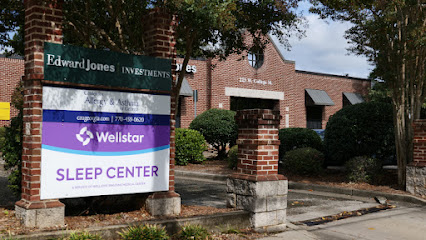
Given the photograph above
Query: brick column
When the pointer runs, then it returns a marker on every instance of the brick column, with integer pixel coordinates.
(257, 187)
(160, 42)
(416, 170)
(43, 22)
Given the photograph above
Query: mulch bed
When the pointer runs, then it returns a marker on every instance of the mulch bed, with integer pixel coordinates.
(9, 225)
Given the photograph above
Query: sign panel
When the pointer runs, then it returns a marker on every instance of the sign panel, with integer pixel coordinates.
(103, 143)
(66, 63)
(4, 111)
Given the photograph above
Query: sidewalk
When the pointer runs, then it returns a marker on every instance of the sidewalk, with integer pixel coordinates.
(308, 201)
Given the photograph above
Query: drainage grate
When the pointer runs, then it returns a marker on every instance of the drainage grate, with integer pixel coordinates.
(343, 215)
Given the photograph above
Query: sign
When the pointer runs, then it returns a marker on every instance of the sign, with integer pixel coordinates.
(70, 64)
(254, 81)
(4, 111)
(189, 68)
(103, 143)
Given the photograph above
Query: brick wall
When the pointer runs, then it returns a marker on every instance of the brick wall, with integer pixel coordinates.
(11, 71)
(43, 22)
(162, 44)
(419, 143)
(258, 142)
(416, 170)
(211, 80)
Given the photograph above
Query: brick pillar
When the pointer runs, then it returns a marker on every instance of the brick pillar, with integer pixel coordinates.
(160, 42)
(257, 187)
(43, 22)
(416, 170)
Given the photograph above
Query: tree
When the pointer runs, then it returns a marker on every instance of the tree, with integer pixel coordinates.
(210, 28)
(392, 34)
(217, 28)
(11, 26)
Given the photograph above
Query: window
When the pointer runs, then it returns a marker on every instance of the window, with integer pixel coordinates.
(256, 59)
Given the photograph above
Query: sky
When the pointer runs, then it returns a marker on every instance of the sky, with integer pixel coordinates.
(324, 49)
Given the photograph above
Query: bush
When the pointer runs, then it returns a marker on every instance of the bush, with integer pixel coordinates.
(195, 232)
(364, 129)
(11, 145)
(364, 169)
(292, 138)
(11, 150)
(190, 145)
(146, 232)
(303, 161)
(83, 236)
(233, 157)
(2, 132)
(218, 127)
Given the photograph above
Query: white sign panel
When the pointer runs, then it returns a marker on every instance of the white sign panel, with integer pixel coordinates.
(103, 143)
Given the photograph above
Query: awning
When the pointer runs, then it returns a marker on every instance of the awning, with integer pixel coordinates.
(315, 97)
(185, 89)
(353, 98)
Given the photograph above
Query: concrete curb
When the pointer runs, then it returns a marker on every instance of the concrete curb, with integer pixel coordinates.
(214, 222)
(356, 192)
(201, 176)
(315, 187)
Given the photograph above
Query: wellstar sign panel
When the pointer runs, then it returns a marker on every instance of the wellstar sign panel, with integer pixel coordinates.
(103, 142)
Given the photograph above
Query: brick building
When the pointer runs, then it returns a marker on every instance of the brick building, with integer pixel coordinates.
(11, 71)
(305, 99)
(267, 80)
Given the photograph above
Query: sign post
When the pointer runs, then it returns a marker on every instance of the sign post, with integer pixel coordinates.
(95, 122)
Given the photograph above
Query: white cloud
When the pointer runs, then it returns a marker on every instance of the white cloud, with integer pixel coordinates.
(324, 50)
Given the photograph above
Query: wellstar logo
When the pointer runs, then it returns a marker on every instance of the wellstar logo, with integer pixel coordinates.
(102, 137)
(89, 135)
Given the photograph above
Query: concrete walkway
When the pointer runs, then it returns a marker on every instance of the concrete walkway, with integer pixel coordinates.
(406, 221)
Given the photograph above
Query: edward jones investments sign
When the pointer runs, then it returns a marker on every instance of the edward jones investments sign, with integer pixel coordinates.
(103, 142)
(66, 63)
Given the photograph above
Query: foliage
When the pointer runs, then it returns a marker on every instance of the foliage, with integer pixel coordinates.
(364, 169)
(11, 146)
(195, 232)
(380, 93)
(233, 157)
(292, 138)
(146, 232)
(303, 161)
(218, 127)
(190, 145)
(114, 25)
(203, 27)
(2, 132)
(392, 35)
(360, 129)
(83, 236)
(12, 27)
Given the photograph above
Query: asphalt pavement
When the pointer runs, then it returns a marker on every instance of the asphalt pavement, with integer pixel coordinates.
(404, 221)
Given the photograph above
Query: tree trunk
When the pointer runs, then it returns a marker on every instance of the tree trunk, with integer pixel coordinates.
(400, 142)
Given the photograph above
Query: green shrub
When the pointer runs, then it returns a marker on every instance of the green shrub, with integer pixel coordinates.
(190, 145)
(146, 232)
(292, 138)
(11, 150)
(195, 232)
(364, 129)
(364, 169)
(233, 157)
(83, 236)
(218, 127)
(303, 161)
(11, 146)
(2, 132)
